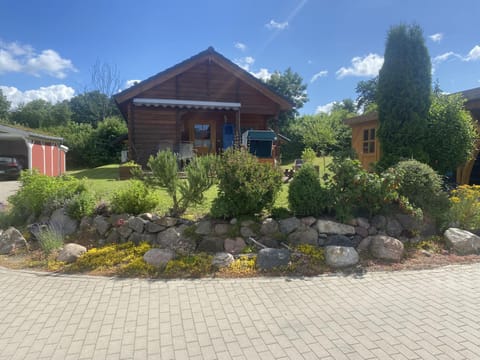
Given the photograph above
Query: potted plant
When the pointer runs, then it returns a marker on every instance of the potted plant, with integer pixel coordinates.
(126, 169)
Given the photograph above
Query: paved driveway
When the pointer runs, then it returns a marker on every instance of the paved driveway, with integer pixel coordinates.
(432, 314)
(7, 188)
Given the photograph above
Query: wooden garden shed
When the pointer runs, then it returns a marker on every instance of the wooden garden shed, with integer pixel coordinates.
(367, 146)
(201, 105)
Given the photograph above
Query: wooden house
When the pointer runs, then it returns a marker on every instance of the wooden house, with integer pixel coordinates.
(201, 105)
(367, 146)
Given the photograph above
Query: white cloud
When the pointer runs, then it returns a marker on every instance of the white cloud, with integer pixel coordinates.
(318, 75)
(130, 83)
(240, 46)
(327, 108)
(52, 94)
(436, 37)
(369, 65)
(263, 74)
(8, 63)
(245, 62)
(16, 57)
(444, 57)
(474, 54)
(273, 25)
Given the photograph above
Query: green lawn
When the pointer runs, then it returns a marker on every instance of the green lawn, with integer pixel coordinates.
(103, 181)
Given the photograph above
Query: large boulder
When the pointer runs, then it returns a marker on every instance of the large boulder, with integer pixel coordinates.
(303, 236)
(158, 257)
(340, 256)
(332, 227)
(152, 227)
(211, 244)
(462, 242)
(101, 224)
(221, 228)
(203, 227)
(137, 224)
(11, 240)
(289, 225)
(222, 259)
(71, 252)
(234, 246)
(379, 222)
(61, 222)
(338, 240)
(394, 228)
(272, 258)
(269, 227)
(166, 221)
(173, 239)
(138, 238)
(386, 248)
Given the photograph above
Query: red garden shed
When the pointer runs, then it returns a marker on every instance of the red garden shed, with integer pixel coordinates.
(45, 153)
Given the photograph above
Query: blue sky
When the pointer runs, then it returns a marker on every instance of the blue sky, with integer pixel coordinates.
(47, 48)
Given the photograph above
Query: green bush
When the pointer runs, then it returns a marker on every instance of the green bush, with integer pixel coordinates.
(306, 197)
(423, 187)
(42, 194)
(135, 199)
(245, 186)
(308, 155)
(81, 204)
(358, 192)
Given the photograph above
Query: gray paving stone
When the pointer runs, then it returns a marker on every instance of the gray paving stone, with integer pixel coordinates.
(397, 315)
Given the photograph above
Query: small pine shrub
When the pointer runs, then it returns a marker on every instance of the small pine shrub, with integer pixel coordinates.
(137, 198)
(245, 186)
(306, 197)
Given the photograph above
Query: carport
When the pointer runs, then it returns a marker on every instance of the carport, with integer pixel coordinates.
(45, 153)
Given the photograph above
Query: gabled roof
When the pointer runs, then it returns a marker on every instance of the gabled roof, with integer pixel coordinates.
(219, 59)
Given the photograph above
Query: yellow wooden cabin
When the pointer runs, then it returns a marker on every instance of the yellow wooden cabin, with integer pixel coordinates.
(367, 146)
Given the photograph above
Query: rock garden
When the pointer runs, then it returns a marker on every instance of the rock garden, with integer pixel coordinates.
(348, 221)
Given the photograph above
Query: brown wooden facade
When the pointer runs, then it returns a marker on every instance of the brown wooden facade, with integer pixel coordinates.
(466, 174)
(191, 102)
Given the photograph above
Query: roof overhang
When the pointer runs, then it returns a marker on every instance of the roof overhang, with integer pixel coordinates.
(8, 131)
(372, 116)
(187, 104)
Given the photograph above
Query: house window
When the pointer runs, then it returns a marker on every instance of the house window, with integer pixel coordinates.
(202, 135)
(369, 141)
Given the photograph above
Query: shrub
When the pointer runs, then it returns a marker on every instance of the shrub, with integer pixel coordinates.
(42, 194)
(465, 207)
(190, 265)
(82, 204)
(49, 240)
(110, 256)
(422, 186)
(308, 155)
(184, 192)
(245, 186)
(306, 197)
(356, 191)
(135, 199)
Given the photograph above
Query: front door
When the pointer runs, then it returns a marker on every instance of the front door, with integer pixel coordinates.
(203, 135)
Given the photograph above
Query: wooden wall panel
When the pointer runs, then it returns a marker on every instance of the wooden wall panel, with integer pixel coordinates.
(357, 143)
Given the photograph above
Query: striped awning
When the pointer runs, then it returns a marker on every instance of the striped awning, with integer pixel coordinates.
(187, 104)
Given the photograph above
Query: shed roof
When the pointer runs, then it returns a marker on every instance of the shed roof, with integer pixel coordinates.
(27, 134)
